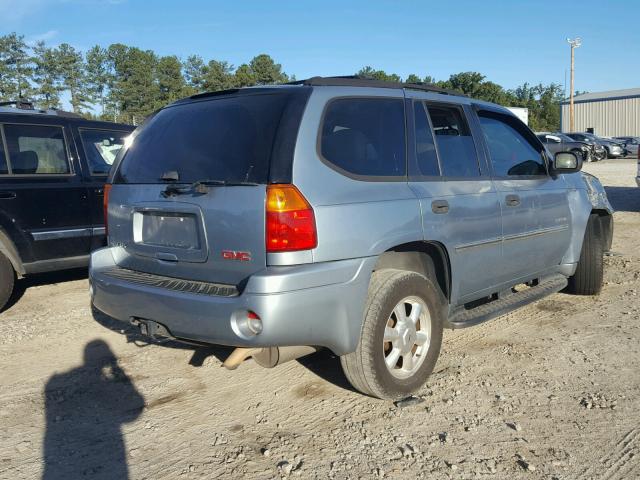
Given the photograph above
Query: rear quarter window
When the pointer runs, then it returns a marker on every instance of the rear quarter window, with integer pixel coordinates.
(364, 137)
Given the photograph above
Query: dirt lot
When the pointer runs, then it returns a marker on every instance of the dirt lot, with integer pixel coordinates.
(548, 392)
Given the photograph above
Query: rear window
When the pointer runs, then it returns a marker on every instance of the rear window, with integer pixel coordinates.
(101, 148)
(226, 138)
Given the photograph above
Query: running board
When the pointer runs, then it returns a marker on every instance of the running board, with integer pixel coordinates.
(511, 302)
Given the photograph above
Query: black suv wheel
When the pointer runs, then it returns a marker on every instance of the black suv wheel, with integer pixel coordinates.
(7, 280)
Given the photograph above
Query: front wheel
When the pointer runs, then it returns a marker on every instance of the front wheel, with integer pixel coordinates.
(590, 272)
(7, 280)
(401, 335)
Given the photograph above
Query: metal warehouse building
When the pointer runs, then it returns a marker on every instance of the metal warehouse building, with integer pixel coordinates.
(610, 114)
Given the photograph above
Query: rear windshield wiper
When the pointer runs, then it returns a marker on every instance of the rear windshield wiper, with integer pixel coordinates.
(202, 186)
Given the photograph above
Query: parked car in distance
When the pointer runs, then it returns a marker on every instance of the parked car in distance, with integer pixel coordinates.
(561, 143)
(53, 167)
(598, 151)
(613, 149)
(631, 144)
(342, 213)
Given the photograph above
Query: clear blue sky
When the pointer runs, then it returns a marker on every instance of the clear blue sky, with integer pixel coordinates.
(511, 42)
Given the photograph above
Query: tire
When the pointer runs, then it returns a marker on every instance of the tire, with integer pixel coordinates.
(366, 368)
(7, 280)
(588, 277)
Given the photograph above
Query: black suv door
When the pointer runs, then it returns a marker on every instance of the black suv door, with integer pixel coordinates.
(43, 193)
(98, 146)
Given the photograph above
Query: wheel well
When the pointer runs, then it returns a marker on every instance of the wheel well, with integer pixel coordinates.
(426, 258)
(605, 226)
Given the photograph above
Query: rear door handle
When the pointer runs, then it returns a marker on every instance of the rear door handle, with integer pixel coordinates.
(513, 200)
(440, 206)
(7, 195)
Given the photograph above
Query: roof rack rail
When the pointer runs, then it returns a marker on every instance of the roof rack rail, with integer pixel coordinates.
(362, 81)
(21, 104)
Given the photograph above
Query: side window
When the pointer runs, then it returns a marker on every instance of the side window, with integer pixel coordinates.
(365, 136)
(456, 149)
(36, 149)
(512, 154)
(101, 148)
(426, 157)
(4, 169)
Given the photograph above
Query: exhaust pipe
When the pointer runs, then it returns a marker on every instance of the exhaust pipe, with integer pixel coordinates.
(267, 357)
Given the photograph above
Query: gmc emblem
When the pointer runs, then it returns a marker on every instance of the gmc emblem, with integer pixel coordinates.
(233, 255)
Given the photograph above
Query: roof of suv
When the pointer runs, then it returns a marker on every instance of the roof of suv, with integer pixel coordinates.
(26, 108)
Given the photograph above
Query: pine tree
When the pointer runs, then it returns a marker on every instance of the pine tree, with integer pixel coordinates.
(16, 68)
(46, 76)
(73, 76)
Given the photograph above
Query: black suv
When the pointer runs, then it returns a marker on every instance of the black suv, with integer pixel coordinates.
(53, 166)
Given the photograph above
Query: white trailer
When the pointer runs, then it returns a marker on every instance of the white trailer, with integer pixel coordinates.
(521, 113)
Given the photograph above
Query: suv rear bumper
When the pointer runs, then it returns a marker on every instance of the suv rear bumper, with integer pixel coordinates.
(317, 304)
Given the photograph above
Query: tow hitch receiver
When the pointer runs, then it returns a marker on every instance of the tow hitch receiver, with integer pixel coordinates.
(152, 329)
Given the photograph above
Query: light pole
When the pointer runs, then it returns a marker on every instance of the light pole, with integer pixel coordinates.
(575, 43)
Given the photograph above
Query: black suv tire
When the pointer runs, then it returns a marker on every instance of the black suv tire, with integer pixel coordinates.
(590, 272)
(7, 280)
(365, 368)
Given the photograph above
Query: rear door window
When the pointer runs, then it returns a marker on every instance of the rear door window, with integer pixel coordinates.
(228, 138)
(36, 149)
(4, 168)
(510, 147)
(426, 156)
(456, 148)
(364, 137)
(101, 148)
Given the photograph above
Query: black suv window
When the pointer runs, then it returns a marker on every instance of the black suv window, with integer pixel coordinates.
(426, 157)
(456, 149)
(36, 149)
(3, 160)
(511, 151)
(365, 136)
(101, 148)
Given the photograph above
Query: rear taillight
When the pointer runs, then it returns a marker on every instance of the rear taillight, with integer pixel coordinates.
(105, 207)
(291, 224)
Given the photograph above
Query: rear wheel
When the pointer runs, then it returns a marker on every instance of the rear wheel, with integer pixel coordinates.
(7, 280)
(588, 277)
(401, 335)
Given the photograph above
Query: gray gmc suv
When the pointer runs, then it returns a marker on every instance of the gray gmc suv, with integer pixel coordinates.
(341, 213)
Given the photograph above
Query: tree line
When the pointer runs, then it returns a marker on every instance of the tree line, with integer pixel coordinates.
(125, 84)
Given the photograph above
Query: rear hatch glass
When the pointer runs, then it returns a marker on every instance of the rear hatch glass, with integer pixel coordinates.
(188, 195)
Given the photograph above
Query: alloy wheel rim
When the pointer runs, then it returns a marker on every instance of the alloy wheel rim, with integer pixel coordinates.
(407, 336)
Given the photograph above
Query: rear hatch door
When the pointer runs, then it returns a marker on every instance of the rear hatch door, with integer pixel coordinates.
(188, 195)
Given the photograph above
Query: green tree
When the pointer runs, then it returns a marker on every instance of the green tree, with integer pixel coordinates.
(370, 72)
(171, 83)
(243, 76)
(194, 72)
(16, 68)
(266, 71)
(46, 76)
(73, 76)
(218, 76)
(413, 78)
(98, 75)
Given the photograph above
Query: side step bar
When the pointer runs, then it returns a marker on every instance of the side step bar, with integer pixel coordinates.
(488, 311)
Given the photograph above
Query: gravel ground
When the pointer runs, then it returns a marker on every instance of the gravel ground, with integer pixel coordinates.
(548, 392)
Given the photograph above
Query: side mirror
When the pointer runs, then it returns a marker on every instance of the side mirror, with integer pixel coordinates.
(566, 162)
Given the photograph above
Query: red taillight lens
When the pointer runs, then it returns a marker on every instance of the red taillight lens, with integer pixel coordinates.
(291, 224)
(105, 207)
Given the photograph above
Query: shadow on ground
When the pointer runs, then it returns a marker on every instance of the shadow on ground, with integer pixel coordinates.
(324, 364)
(39, 279)
(624, 199)
(85, 410)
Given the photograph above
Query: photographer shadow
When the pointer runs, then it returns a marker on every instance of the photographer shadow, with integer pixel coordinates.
(85, 410)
